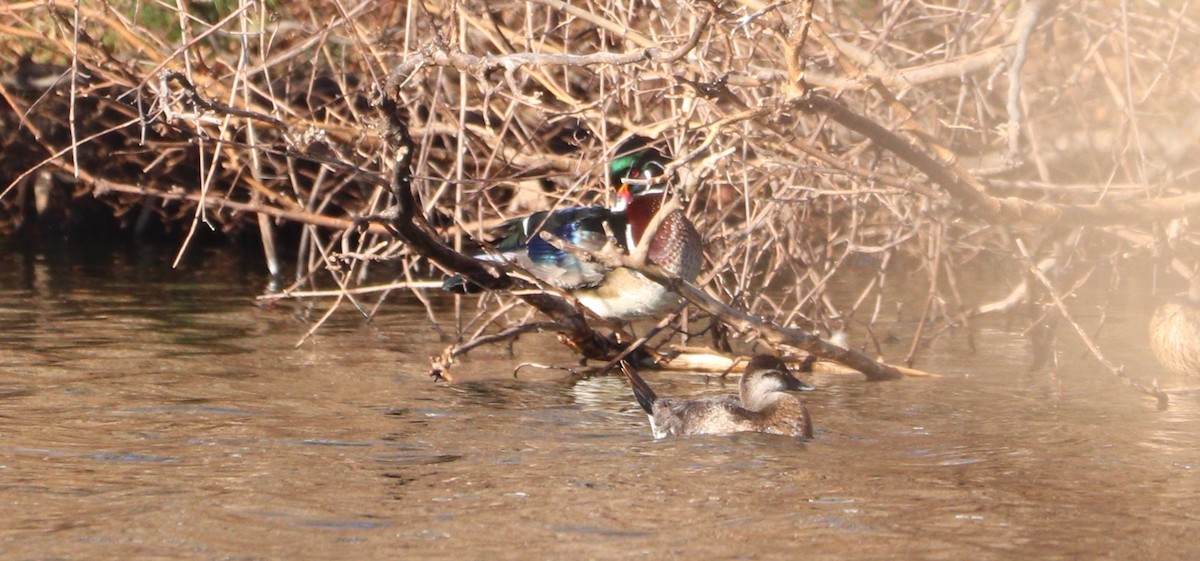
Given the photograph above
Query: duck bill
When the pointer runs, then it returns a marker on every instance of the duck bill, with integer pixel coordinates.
(797, 385)
(624, 195)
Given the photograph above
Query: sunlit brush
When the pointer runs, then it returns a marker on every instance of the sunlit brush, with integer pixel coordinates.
(763, 404)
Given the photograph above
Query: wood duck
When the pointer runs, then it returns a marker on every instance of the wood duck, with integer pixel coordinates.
(762, 405)
(520, 243)
(620, 294)
(1175, 332)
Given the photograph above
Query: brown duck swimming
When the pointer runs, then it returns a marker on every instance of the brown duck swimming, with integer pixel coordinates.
(763, 404)
(1175, 332)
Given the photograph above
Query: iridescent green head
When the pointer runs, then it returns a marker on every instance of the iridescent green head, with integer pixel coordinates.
(636, 159)
(636, 168)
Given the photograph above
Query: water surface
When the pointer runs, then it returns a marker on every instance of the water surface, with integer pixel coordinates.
(147, 412)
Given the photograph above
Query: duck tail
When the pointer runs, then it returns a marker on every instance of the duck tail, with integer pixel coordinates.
(641, 390)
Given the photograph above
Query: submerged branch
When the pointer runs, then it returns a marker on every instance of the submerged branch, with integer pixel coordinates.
(774, 334)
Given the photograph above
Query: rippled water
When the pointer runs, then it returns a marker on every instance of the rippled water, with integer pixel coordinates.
(155, 413)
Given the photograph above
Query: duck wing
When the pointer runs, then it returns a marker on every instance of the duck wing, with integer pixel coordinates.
(519, 242)
(715, 415)
(583, 227)
(725, 415)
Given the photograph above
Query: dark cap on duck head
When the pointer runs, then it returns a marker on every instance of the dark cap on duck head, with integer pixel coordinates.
(770, 363)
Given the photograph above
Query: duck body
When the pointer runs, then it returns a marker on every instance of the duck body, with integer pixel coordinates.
(763, 404)
(725, 415)
(618, 294)
(1175, 335)
(626, 295)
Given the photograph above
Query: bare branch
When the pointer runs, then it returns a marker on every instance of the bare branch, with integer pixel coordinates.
(1113, 369)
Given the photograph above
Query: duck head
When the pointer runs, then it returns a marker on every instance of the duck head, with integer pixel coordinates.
(638, 169)
(765, 380)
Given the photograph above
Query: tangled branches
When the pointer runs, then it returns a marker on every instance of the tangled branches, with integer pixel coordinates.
(815, 142)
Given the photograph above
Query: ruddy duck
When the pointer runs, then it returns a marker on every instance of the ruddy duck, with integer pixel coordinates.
(762, 405)
(1175, 332)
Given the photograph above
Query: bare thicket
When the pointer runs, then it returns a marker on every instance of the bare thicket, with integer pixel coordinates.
(815, 141)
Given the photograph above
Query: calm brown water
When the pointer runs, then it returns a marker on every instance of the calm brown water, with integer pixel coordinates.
(150, 413)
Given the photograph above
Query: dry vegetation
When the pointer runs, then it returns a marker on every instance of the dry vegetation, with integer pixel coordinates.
(920, 136)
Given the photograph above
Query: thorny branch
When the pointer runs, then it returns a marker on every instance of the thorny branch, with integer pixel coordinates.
(972, 196)
(1023, 31)
(1113, 369)
(436, 54)
(797, 185)
(568, 321)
